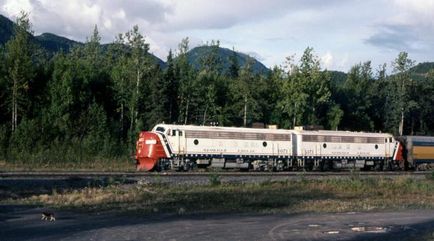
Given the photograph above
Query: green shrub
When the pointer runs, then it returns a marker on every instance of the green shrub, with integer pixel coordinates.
(431, 176)
(214, 179)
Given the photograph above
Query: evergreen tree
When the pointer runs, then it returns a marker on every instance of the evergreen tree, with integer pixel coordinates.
(420, 95)
(3, 86)
(358, 97)
(210, 71)
(171, 77)
(158, 102)
(276, 81)
(234, 66)
(378, 99)
(425, 117)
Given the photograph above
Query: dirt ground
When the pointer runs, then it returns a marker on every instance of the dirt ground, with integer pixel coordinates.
(24, 223)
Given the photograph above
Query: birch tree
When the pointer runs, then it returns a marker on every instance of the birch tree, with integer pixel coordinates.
(20, 69)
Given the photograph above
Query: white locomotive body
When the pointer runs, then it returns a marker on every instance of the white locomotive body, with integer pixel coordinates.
(184, 147)
(337, 149)
(225, 147)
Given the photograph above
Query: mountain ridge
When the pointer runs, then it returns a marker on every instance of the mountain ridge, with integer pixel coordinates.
(54, 43)
(196, 54)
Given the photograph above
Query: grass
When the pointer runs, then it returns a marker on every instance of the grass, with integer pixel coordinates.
(94, 165)
(329, 195)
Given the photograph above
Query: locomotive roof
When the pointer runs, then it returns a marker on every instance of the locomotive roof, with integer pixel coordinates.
(266, 130)
(220, 128)
(342, 133)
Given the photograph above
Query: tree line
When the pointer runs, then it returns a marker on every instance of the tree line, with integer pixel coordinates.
(91, 102)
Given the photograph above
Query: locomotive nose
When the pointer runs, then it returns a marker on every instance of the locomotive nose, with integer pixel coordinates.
(148, 151)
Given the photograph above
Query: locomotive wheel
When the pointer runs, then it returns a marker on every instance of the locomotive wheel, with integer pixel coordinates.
(158, 167)
(186, 168)
(379, 166)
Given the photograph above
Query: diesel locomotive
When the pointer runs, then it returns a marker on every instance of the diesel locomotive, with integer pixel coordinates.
(186, 147)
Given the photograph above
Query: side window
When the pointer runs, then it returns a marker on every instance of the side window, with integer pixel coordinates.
(180, 133)
(386, 140)
(173, 132)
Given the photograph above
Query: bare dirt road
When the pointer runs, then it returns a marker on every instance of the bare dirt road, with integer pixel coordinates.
(24, 223)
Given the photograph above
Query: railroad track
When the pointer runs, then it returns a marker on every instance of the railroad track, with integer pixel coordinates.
(92, 174)
(74, 180)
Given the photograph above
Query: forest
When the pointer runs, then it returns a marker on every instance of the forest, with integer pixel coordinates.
(90, 102)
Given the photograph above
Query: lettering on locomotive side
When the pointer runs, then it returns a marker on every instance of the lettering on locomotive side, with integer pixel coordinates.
(340, 153)
(246, 151)
(218, 150)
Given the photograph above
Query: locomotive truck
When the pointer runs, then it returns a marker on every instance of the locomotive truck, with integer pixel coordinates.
(186, 147)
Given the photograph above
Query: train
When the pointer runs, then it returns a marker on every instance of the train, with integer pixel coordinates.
(188, 147)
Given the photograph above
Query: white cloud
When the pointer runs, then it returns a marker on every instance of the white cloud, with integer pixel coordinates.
(414, 12)
(327, 60)
(76, 19)
(343, 32)
(219, 14)
(15, 6)
(409, 27)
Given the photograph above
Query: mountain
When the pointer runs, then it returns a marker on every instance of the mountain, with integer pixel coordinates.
(196, 55)
(48, 41)
(6, 29)
(54, 43)
(51, 42)
(418, 72)
(421, 70)
(154, 58)
(337, 78)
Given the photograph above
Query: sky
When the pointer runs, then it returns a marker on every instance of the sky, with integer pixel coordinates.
(341, 32)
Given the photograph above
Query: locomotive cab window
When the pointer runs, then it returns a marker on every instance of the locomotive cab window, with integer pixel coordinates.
(180, 133)
(173, 132)
(160, 129)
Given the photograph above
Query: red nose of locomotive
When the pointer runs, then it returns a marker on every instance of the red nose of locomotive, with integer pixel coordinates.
(148, 151)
